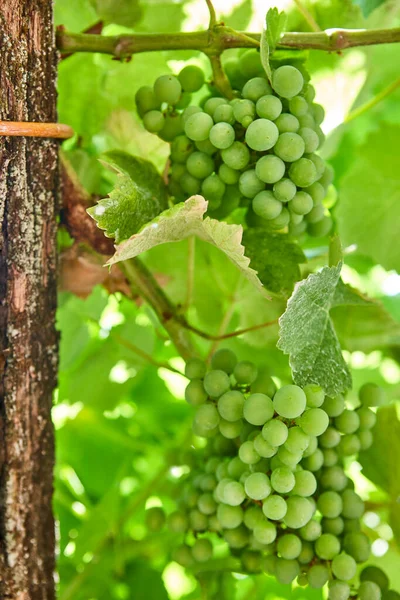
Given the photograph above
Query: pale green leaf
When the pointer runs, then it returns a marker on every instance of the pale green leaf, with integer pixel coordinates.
(275, 26)
(368, 213)
(121, 12)
(367, 6)
(182, 221)
(138, 196)
(308, 336)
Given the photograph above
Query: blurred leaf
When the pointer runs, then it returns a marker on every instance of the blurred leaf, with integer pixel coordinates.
(381, 463)
(275, 259)
(146, 582)
(368, 213)
(182, 221)
(240, 16)
(121, 12)
(308, 336)
(367, 6)
(74, 15)
(139, 195)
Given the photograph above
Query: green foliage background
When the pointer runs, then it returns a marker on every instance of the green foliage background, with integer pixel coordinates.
(118, 417)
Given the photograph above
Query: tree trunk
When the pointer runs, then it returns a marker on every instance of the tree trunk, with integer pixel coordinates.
(29, 182)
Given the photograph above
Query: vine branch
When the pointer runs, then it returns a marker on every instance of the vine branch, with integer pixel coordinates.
(213, 42)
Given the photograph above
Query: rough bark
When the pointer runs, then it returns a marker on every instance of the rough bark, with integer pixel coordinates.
(28, 339)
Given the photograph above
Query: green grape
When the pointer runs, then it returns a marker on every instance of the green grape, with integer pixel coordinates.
(195, 393)
(153, 121)
(368, 590)
(327, 176)
(338, 590)
(327, 546)
(265, 205)
(391, 595)
(263, 448)
(230, 200)
(230, 405)
(206, 146)
(348, 421)
(244, 111)
(228, 175)
(206, 504)
(195, 368)
(190, 110)
(275, 432)
(314, 421)
(317, 576)
(173, 127)
(290, 401)
(252, 561)
(284, 190)
(367, 418)
(184, 100)
(316, 214)
(224, 360)
(230, 429)
(302, 172)
(289, 546)
(155, 518)
(211, 104)
(308, 92)
(252, 516)
(286, 571)
(344, 567)
(265, 532)
(333, 478)
(270, 169)
(202, 550)
(376, 575)
(305, 485)
(249, 184)
(213, 189)
(191, 78)
(289, 146)
(295, 219)
(349, 445)
(237, 537)
(330, 438)
(312, 446)
(258, 409)
(299, 512)
(282, 480)
(330, 504)
(234, 493)
(167, 88)
(183, 555)
(257, 486)
(311, 531)
(232, 70)
(224, 114)
(334, 526)
(357, 545)
(330, 457)
(198, 521)
(302, 203)
(316, 191)
(298, 106)
(178, 522)
(287, 81)
(245, 372)
(146, 100)
(206, 417)
(287, 458)
(236, 156)
(222, 135)
(353, 506)
(216, 383)
(307, 121)
(263, 384)
(250, 64)
(177, 171)
(287, 123)
(334, 406)
(274, 507)
(318, 112)
(230, 517)
(307, 553)
(297, 440)
(248, 454)
(200, 165)
(315, 395)
(255, 88)
(220, 488)
(365, 439)
(261, 135)
(236, 467)
(314, 461)
(371, 394)
(269, 107)
(190, 184)
(321, 228)
(310, 138)
(297, 230)
(198, 126)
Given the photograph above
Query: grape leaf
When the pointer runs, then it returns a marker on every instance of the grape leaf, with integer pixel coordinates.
(138, 196)
(275, 26)
(367, 6)
(274, 258)
(182, 221)
(381, 463)
(368, 213)
(121, 12)
(308, 336)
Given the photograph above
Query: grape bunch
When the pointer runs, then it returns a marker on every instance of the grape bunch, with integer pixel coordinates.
(270, 480)
(258, 150)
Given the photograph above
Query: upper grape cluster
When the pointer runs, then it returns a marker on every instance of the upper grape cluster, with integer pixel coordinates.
(257, 150)
(271, 481)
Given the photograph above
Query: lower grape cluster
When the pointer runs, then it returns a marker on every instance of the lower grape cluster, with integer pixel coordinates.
(258, 150)
(270, 480)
